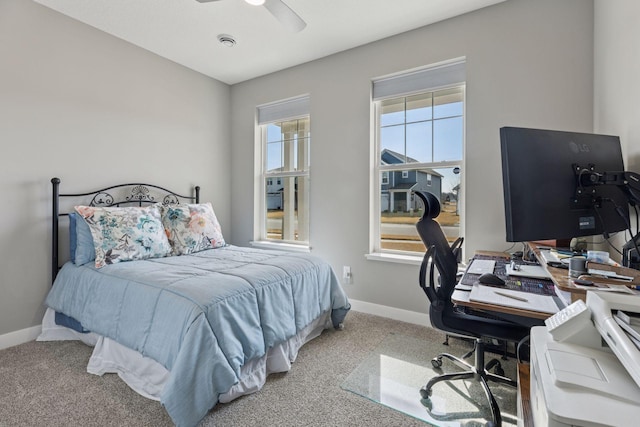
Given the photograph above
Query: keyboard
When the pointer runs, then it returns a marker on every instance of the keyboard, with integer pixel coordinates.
(523, 284)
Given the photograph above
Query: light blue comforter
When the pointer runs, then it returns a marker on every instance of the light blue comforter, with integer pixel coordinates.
(202, 316)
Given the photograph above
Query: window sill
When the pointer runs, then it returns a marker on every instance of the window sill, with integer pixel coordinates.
(280, 246)
(397, 258)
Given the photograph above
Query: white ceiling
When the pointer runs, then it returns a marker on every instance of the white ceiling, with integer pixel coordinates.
(186, 31)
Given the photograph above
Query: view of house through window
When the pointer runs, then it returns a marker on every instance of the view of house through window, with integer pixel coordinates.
(286, 180)
(420, 142)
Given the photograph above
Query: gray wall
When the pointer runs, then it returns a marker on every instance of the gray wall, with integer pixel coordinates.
(93, 110)
(616, 90)
(529, 63)
(617, 67)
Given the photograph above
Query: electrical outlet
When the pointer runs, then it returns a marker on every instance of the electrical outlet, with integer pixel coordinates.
(346, 275)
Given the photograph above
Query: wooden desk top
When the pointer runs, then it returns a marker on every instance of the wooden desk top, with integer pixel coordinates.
(562, 280)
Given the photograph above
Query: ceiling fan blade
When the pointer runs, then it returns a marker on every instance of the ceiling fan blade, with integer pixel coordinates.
(206, 1)
(285, 15)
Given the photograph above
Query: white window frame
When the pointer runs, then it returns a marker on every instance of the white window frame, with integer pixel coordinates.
(445, 75)
(280, 111)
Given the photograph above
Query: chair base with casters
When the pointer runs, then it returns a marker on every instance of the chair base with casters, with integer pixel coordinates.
(478, 372)
(444, 316)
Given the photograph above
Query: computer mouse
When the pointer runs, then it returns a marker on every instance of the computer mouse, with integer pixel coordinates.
(491, 279)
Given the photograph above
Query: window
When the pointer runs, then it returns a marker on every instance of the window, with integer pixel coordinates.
(419, 145)
(282, 213)
(385, 178)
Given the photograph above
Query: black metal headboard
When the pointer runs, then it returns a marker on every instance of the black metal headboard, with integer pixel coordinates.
(134, 194)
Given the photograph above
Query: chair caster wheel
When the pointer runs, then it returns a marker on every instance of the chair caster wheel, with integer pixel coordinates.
(425, 393)
(436, 362)
(497, 369)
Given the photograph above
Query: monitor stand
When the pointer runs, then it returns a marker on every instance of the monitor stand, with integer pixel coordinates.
(630, 257)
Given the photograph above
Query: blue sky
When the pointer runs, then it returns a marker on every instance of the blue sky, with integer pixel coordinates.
(427, 139)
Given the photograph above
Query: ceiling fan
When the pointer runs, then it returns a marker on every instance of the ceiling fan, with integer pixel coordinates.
(280, 11)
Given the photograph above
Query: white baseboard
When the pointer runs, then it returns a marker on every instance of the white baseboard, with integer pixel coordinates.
(19, 337)
(414, 317)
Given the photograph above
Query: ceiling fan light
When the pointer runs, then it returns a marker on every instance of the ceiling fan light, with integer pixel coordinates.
(255, 2)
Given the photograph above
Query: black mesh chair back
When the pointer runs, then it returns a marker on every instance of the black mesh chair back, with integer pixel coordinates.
(444, 258)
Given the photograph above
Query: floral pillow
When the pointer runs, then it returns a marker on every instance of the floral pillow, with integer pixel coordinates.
(126, 234)
(192, 228)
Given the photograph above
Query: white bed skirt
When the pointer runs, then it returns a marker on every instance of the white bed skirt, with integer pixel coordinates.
(147, 377)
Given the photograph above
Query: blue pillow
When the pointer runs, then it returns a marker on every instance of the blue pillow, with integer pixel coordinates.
(81, 241)
(73, 240)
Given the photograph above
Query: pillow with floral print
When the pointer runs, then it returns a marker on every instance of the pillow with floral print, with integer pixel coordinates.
(126, 233)
(192, 228)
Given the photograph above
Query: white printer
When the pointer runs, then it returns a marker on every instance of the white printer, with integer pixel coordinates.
(585, 369)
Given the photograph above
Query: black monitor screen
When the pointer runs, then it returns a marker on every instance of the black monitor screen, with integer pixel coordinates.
(540, 184)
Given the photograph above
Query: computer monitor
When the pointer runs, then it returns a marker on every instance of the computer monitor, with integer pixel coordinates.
(543, 199)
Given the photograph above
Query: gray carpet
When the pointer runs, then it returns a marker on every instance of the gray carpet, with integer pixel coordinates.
(47, 384)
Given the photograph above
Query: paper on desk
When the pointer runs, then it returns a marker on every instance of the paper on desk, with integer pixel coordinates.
(535, 302)
(481, 266)
(533, 271)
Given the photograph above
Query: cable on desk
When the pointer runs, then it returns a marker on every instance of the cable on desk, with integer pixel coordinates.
(520, 344)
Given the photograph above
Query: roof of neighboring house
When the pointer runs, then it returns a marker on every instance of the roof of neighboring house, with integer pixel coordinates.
(388, 156)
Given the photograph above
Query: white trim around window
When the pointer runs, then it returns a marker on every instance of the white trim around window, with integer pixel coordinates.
(437, 80)
(282, 187)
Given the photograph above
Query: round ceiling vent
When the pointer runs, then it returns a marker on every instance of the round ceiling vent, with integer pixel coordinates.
(226, 40)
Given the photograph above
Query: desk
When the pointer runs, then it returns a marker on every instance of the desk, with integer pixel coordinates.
(527, 317)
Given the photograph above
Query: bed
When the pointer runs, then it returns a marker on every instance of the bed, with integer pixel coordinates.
(191, 324)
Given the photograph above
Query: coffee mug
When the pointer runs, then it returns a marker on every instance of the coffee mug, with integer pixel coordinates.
(577, 266)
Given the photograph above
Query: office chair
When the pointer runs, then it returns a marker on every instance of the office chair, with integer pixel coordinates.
(443, 316)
